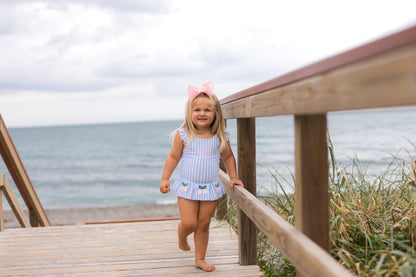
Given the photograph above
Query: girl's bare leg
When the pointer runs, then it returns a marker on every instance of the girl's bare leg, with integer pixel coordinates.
(201, 235)
(188, 210)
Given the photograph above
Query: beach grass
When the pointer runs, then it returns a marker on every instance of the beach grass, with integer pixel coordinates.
(372, 218)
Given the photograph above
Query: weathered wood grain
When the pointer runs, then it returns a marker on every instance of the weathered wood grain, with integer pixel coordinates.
(386, 80)
(311, 186)
(246, 147)
(1, 209)
(364, 52)
(308, 258)
(21, 178)
(14, 204)
(118, 249)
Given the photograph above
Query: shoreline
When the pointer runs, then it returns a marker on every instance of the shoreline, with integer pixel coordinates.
(72, 216)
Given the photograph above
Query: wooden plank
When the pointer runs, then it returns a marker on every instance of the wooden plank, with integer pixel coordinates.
(246, 147)
(383, 81)
(21, 178)
(127, 249)
(133, 269)
(14, 204)
(1, 207)
(131, 220)
(134, 264)
(313, 260)
(311, 184)
(376, 48)
(70, 254)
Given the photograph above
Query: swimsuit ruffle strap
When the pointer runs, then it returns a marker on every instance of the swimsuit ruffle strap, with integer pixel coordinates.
(183, 134)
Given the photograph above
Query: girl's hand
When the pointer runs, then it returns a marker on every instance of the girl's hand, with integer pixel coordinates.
(164, 186)
(235, 181)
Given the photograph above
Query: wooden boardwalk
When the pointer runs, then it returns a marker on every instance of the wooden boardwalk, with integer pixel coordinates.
(122, 249)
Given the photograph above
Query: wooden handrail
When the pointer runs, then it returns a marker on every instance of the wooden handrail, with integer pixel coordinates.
(307, 256)
(6, 189)
(365, 52)
(379, 74)
(20, 177)
(369, 82)
(383, 81)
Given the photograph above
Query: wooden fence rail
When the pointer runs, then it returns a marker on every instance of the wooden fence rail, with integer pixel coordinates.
(313, 260)
(379, 74)
(6, 189)
(18, 172)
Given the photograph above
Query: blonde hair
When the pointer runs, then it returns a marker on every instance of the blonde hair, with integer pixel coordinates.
(217, 126)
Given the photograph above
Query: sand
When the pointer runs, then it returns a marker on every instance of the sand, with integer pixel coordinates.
(71, 216)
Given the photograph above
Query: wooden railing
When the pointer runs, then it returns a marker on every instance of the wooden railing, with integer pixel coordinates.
(8, 151)
(377, 75)
(298, 248)
(7, 191)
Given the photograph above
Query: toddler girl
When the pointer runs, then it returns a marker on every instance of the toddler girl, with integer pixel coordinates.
(201, 141)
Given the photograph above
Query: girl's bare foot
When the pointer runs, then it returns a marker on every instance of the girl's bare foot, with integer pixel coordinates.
(183, 244)
(182, 239)
(202, 264)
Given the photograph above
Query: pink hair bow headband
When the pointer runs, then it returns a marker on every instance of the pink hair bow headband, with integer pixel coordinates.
(207, 88)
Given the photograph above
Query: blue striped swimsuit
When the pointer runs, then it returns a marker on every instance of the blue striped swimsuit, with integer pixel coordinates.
(199, 179)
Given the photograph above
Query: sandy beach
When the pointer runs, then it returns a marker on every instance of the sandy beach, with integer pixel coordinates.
(71, 216)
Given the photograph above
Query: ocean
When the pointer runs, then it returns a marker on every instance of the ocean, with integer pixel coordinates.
(121, 164)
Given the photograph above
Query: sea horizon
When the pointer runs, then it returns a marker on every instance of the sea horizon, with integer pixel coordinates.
(120, 163)
(389, 109)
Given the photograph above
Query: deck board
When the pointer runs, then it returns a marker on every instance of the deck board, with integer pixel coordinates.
(121, 249)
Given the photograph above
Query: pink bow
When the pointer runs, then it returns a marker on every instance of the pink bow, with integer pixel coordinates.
(207, 88)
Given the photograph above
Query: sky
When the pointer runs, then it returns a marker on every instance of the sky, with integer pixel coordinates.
(66, 62)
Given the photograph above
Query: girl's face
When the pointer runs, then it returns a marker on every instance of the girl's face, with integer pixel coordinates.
(203, 113)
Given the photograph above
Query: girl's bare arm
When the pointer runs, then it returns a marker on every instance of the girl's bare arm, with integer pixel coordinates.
(172, 161)
(227, 157)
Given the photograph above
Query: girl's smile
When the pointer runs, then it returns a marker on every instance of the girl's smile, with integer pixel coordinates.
(203, 113)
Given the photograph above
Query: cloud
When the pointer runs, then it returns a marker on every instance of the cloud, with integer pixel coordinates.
(72, 46)
(75, 50)
(142, 6)
(65, 49)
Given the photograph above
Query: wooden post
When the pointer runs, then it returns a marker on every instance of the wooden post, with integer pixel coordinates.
(1, 207)
(311, 162)
(246, 145)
